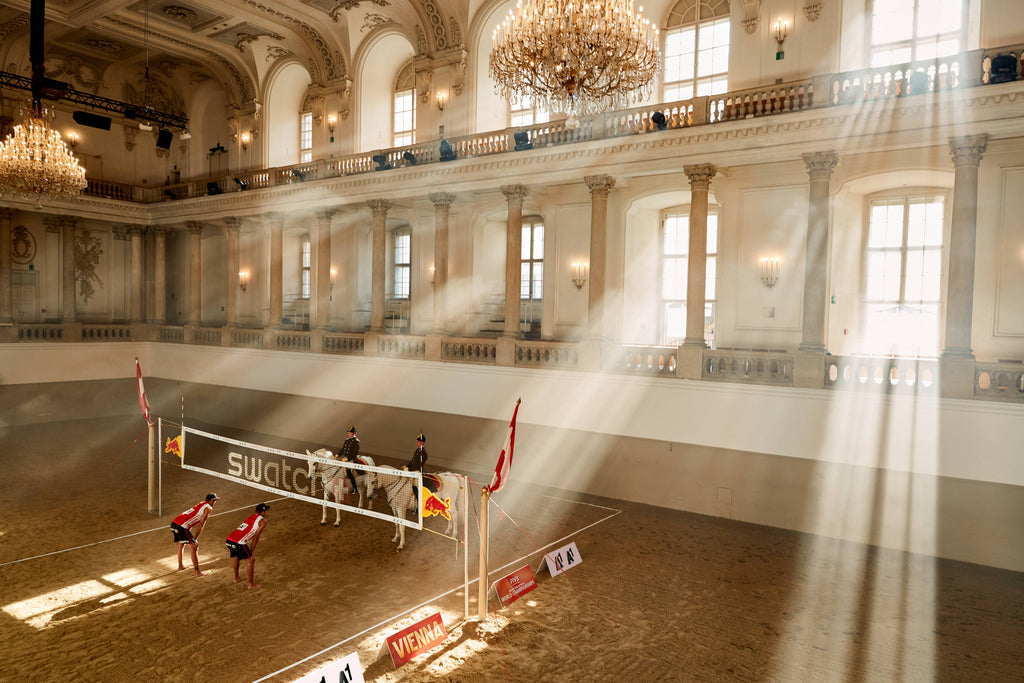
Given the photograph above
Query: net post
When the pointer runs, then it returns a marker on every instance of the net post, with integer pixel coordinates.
(151, 458)
(159, 468)
(465, 540)
(482, 588)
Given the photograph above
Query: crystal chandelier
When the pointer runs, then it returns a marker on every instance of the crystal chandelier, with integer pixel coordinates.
(35, 163)
(575, 57)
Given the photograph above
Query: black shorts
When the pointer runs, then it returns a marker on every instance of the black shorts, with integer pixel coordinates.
(239, 550)
(181, 534)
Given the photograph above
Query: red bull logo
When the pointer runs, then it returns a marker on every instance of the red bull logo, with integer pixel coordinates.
(173, 446)
(432, 505)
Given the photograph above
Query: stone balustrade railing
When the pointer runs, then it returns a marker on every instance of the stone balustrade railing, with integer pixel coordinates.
(999, 381)
(963, 70)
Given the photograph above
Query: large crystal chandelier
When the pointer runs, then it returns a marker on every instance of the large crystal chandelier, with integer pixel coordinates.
(574, 56)
(34, 162)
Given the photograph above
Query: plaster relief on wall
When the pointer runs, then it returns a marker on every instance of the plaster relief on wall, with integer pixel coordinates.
(87, 257)
(23, 245)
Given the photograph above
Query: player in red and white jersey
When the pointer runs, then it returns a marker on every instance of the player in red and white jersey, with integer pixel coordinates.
(187, 526)
(242, 542)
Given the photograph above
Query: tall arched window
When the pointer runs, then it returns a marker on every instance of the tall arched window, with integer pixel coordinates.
(696, 50)
(404, 111)
(910, 30)
(903, 274)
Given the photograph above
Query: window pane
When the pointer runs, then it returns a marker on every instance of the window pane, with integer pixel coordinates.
(709, 279)
(675, 322)
(673, 283)
(939, 16)
(524, 248)
(886, 229)
(883, 283)
(712, 247)
(538, 280)
(925, 222)
(402, 248)
(402, 282)
(524, 281)
(892, 20)
(538, 242)
(677, 234)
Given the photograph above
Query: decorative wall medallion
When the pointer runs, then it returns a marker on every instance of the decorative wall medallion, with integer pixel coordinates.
(373, 21)
(23, 245)
(87, 257)
(180, 13)
(106, 46)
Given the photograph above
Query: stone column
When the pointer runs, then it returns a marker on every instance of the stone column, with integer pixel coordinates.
(379, 208)
(442, 204)
(600, 186)
(195, 272)
(232, 225)
(966, 152)
(322, 280)
(514, 195)
(6, 272)
(700, 176)
(819, 169)
(160, 275)
(956, 362)
(136, 276)
(276, 268)
(68, 313)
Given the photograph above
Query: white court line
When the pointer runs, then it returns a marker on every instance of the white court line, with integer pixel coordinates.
(119, 538)
(438, 597)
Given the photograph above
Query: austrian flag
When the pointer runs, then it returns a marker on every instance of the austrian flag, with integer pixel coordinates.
(504, 465)
(143, 403)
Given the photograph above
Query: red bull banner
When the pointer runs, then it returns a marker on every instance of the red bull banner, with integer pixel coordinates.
(173, 446)
(416, 639)
(515, 585)
(432, 505)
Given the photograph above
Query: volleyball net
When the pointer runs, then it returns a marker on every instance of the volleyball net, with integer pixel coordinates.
(273, 470)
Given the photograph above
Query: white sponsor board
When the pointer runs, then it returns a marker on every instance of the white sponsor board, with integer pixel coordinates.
(345, 670)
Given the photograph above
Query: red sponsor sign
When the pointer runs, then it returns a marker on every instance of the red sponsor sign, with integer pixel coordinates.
(515, 585)
(416, 639)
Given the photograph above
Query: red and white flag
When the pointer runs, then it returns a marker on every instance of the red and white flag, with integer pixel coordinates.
(504, 465)
(143, 403)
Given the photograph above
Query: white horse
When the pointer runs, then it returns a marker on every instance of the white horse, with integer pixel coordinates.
(335, 481)
(402, 498)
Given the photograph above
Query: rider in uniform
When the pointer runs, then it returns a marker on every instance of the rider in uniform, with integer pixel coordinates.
(419, 458)
(349, 452)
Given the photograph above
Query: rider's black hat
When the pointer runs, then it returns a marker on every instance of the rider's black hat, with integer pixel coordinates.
(352, 429)
(421, 438)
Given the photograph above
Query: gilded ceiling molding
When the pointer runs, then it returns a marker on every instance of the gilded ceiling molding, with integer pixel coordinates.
(436, 25)
(333, 70)
(245, 39)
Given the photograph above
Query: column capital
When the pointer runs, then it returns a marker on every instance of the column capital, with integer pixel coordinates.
(514, 193)
(325, 215)
(442, 200)
(379, 206)
(159, 230)
(967, 150)
(135, 229)
(60, 221)
(233, 223)
(600, 185)
(700, 175)
(194, 227)
(820, 164)
(7, 214)
(274, 216)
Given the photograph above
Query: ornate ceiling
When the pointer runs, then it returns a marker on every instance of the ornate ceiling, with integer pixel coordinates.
(234, 41)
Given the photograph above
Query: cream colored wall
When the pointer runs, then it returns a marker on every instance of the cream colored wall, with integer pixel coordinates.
(379, 63)
(939, 477)
(280, 134)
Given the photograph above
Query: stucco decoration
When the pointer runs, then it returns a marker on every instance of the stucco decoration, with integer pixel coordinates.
(245, 39)
(88, 249)
(130, 133)
(180, 13)
(276, 52)
(459, 71)
(333, 70)
(372, 21)
(345, 99)
(78, 70)
(23, 245)
(813, 10)
(751, 10)
(424, 77)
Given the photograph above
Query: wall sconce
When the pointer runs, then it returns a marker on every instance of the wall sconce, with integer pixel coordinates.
(441, 99)
(780, 37)
(246, 137)
(769, 271)
(431, 276)
(333, 273)
(243, 279)
(72, 139)
(331, 121)
(579, 274)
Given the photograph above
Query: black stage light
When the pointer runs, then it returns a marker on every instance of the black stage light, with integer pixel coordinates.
(299, 175)
(522, 139)
(447, 153)
(85, 118)
(242, 185)
(658, 119)
(213, 188)
(410, 157)
(382, 162)
(163, 138)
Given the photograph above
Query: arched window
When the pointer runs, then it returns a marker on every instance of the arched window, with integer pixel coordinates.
(403, 126)
(402, 263)
(675, 254)
(696, 50)
(903, 274)
(910, 30)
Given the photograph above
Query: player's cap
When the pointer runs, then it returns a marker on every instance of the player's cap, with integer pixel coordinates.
(211, 497)
(262, 507)
(352, 429)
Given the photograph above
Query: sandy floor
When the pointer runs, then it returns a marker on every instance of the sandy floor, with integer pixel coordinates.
(89, 589)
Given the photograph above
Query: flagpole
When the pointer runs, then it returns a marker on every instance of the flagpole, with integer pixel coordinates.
(482, 589)
(151, 456)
